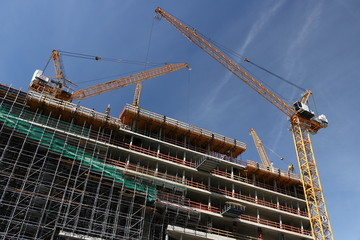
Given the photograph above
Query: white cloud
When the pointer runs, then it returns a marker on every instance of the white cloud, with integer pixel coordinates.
(291, 60)
(259, 25)
(254, 31)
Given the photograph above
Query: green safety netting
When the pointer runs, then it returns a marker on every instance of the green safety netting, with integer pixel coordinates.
(16, 119)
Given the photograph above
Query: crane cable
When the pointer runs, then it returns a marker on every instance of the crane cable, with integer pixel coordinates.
(285, 80)
(275, 75)
(46, 65)
(281, 158)
(97, 58)
(149, 44)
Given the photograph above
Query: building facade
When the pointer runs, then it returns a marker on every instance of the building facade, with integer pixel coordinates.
(68, 172)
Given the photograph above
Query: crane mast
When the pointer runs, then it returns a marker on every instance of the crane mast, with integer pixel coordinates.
(59, 74)
(57, 65)
(301, 127)
(137, 93)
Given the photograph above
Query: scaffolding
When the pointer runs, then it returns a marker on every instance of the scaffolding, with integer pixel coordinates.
(68, 172)
(54, 185)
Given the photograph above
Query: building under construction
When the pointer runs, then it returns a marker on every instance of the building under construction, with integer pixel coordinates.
(69, 172)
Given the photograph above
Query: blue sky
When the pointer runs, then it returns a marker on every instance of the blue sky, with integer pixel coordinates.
(312, 43)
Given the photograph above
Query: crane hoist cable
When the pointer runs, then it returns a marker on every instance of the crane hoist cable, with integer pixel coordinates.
(275, 75)
(284, 80)
(138, 88)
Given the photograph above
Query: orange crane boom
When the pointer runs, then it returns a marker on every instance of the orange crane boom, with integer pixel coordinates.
(126, 81)
(260, 148)
(302, 123)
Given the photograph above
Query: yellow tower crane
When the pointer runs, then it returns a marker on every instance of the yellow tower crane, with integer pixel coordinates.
(57, 86)
(260, 148)
(303, 122)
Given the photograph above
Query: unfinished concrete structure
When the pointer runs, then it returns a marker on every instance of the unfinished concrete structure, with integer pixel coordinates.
(68, 172)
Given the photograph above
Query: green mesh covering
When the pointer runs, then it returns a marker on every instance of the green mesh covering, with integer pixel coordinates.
(16, 119)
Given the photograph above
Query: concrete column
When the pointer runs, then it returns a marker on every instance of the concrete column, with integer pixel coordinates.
(253, 178)
(157, 168)
(298, 207)
(209, 202)
(232, 172)
(131, 139)
(183, 177)
(258, 215)
(256, 196)
(302, 226)
(233, 190)
(185, 142)
(280, 221)
(127, 161)
(158, 150)
(277, 202)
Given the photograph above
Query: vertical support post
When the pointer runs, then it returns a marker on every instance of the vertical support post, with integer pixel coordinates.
(209, 202)
(183, 177)
(156, 168)
(315, 201)
(298, 207)
(158, 150)
(302, 226)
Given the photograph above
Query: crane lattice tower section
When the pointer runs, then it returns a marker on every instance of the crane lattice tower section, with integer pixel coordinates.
(69, 172)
